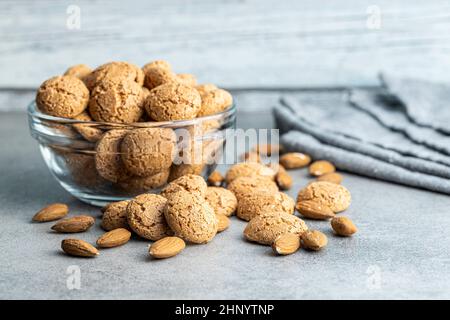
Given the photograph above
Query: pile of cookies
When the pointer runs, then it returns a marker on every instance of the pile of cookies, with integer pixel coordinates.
(132, 158)
(191, 210)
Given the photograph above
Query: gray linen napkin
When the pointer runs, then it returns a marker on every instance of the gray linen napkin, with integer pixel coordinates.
(369, 136)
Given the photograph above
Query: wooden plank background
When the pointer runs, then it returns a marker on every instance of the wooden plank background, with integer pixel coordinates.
(237, 44)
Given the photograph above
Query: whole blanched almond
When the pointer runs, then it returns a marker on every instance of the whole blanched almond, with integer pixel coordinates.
(287, 243)
(294, 160)
(343, 226)
(333, 177)
(74, 224)
(314, 240)
(283, 180)
(321, 167)
(314, 210)
(79, 248)
(114, 238)
(224, 222)
(166, 247)
(251, 156)
(268, 149)
(215, 179)
(51, 212)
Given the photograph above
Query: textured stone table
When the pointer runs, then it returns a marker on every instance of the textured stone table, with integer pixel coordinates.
(401, 250)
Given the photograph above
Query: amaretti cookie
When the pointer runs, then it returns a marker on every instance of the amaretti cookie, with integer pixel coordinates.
(115, 215)
(214, 101)
(145, 214)
(81, 71)
(223, 201)
(332, 195)
(147, 151)
(191, 217)
(245, 185)
(88, 131)
(137, 184)
(117, 102)
(191, 183)
(187, 79)
(264, 229)
(62, 96)
(258, 203)
(157, 73)
(107, 157)
(173, 101)
(115, 72)
(249, 169)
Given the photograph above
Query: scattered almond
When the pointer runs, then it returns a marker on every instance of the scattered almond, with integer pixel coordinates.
(166, 247)
(215, 179)
(268, 149)
(114, 238)
(343, 226)
(314, 240)
(287, 243)
(251, 156)
(74, 224)
(283, 180)
(51, 212)
(314, 210)
(294, 160)
(79, 248)
(224, 222)
(321, 167)
(333, 177)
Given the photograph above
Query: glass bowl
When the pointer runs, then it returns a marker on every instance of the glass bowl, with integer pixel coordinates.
(70, 150)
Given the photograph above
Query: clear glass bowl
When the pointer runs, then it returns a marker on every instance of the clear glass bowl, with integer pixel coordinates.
(69, 149)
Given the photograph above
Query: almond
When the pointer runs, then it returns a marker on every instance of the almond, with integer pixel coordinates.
(295, 160)
(74, 224)
(314, 240)
(283, 180)
(51, 212)
(287, 243)
(268, 149)
(314, 210)
(79, 248)
(166, 247)
(224, 222)
(333, 177)
(114, 238)
(215, 179)
(251, 156)
(343, 226)
(321, 167)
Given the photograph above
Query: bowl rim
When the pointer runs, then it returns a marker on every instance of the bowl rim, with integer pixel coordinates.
(34, 112)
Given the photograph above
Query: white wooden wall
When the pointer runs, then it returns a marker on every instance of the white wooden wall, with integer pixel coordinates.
(236, 44)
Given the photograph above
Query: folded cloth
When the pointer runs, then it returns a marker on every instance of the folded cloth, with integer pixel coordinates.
(369, 134)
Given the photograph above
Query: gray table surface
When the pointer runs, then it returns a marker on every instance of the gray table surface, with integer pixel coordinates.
(401, 250)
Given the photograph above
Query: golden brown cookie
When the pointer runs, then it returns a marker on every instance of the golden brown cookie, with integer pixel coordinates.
(249, 169)
(204, 88)
(115, 215)
(266, 228)
(107, 157)
(117, 102)
(162, 64)
(191, 217)
(62, 96)
(332, 195)
(80, 71)
(88, 131)
(147, 151)
(214, 101)
(245, 185)
(173, 101)
(223, 201)
(136, 184)
(258, 203)
(190, 183)
(115, 72)
(145, 214)
(82, 169)
(157, 73)
(187, 79)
